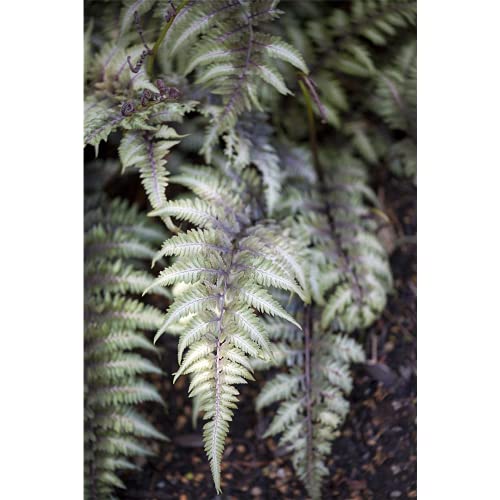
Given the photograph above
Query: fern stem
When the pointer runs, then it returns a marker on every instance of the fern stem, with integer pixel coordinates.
(243, 74)
(156, 47)
(313, 141)
(322, 187)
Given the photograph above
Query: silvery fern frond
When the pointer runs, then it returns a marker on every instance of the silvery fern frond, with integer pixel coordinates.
(251, 143)
(349, 273)
(233, 56)
(312, 397)
(229, 262)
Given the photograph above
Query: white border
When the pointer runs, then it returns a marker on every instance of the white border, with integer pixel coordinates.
(41, 197)
(458, 250)
(41, 206)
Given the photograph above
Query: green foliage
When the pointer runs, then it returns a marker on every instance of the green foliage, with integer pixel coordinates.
(363, 62)
(395, 101)
(117, 239)
(273, 261)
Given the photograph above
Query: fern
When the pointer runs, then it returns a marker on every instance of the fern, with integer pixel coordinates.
(232, 57)
(273, 220)
(117, 238)
(395, 101)
(141, 111)
(229, 262)
(348, 277)
(349, 273)
(365, 278)
(146, 151)
(311, 395)
(251, 144)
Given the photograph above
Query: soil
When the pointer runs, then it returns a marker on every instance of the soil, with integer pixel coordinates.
(375, 456)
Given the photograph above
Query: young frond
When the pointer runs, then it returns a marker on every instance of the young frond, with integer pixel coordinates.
(114, 86)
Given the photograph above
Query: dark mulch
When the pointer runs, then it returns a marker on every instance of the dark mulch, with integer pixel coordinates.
(374, 458)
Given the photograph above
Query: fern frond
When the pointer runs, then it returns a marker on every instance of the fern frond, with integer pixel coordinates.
(349, 273)
(114, 370)
(348, 277)
(147, 152)
(311, 396)
(250, 144)
(232, 56)
(395, 98)
(226, 287)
